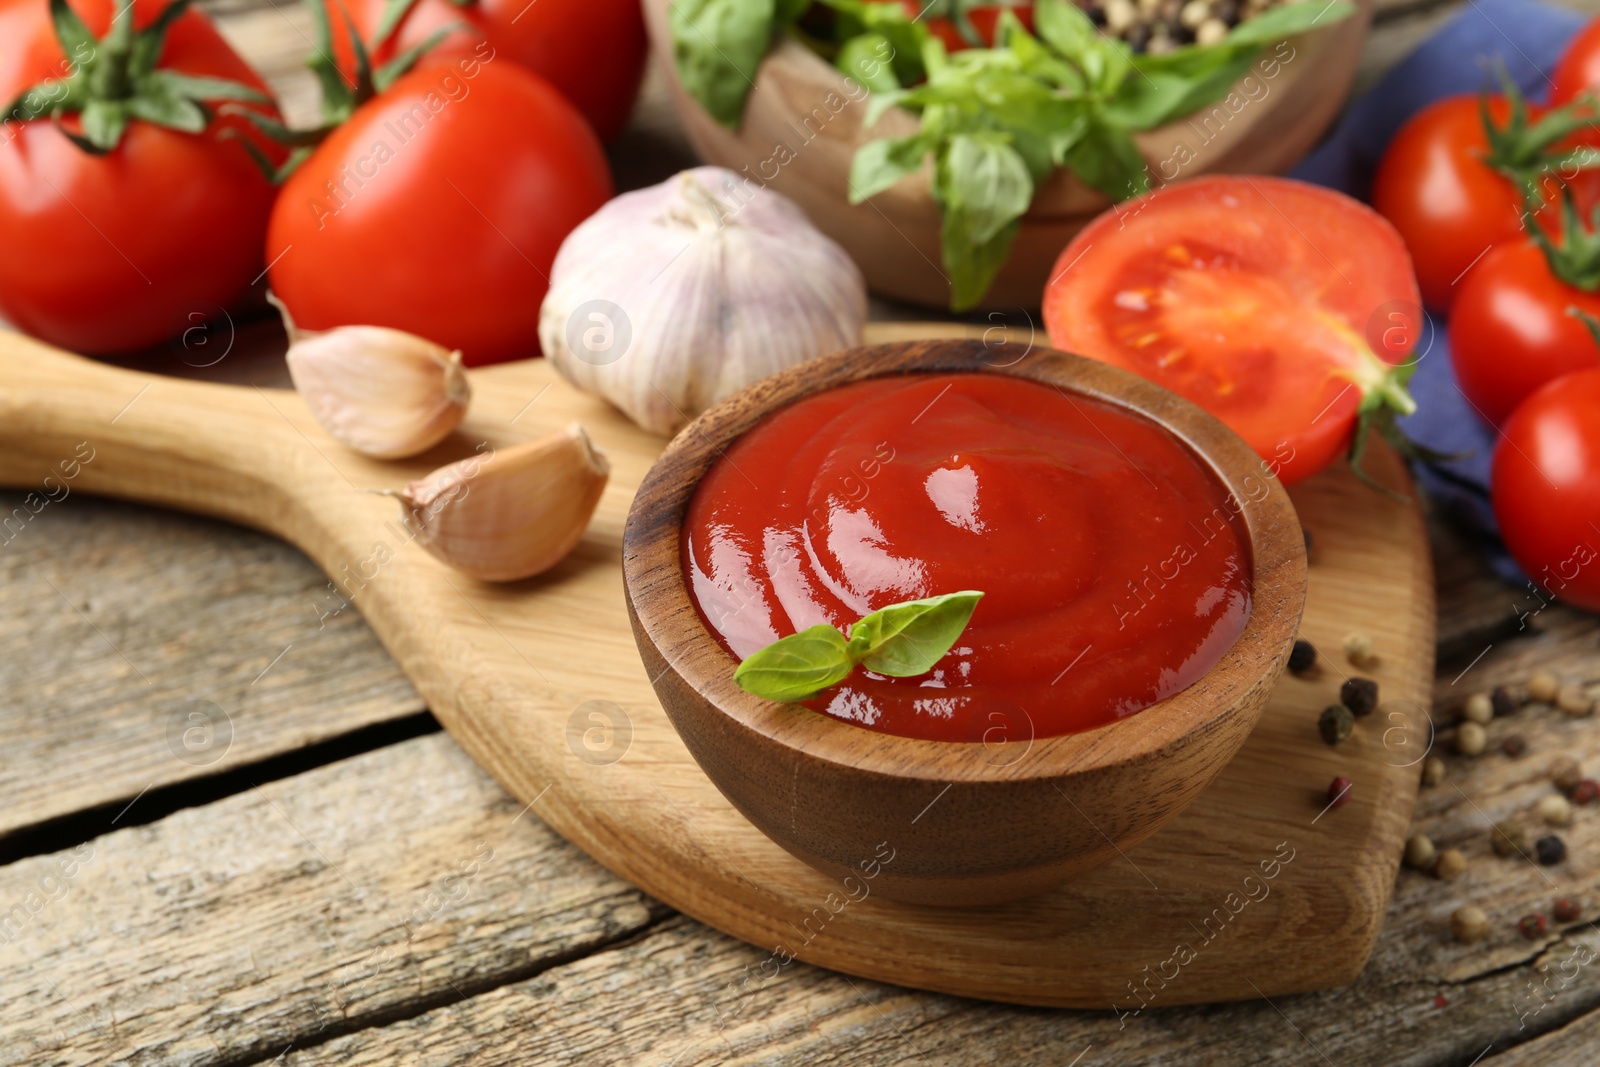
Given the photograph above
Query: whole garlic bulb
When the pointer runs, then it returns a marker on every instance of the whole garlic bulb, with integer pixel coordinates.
(670, 298)
(384, 392)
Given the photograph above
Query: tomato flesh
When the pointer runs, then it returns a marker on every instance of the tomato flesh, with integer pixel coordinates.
(1265, 301)
(1546, 487)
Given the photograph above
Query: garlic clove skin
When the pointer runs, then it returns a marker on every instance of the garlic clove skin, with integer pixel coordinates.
(513, 514)
(384, 392)
(670, 298)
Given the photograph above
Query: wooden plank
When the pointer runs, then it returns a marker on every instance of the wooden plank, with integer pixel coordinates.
(139, 648)
(355, 894)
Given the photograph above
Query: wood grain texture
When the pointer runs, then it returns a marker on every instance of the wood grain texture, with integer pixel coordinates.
(519, 673)
(345, 897)
(803, 123)
(106, 666)
(1015, 816)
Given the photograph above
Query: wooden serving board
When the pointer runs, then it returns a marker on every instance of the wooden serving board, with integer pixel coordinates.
(541, 683)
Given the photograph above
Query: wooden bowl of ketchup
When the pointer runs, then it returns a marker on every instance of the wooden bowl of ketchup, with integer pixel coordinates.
(1143, 576)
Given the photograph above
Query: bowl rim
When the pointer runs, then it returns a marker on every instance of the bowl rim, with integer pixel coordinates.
(665, 613)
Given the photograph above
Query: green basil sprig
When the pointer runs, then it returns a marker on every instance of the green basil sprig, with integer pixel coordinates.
(998, 120)
(995, 121)
(901, 641)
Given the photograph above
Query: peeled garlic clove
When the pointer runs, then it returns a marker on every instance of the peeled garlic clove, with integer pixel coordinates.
(670, 298)
(385, 393)
(513, 513)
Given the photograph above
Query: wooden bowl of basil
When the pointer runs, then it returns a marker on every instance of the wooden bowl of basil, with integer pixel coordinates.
(931, 213)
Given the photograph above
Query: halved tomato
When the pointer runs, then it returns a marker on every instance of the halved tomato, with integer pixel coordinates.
(1279, 307)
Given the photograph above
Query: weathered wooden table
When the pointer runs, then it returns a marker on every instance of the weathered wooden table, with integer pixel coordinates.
(232, 834)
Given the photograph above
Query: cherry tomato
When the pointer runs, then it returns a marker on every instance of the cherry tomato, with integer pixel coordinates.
(1579, 68)
(1545, 486)
(1273, 304)
(108, 253)
(592, 50)
(437, 208)
(1510, 332)
(1448, 204)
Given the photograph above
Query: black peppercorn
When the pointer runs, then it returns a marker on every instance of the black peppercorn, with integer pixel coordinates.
(1550, 850)
(1513, 745)
(1360, 695)
(1302, 657)
(1504, 703)
(1335, 723)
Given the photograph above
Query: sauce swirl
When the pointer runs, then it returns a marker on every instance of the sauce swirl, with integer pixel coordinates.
(1115, 566)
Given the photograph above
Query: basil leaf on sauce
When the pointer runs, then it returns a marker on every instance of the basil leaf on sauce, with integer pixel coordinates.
(901, 641)
(905, 640)
(798, 666)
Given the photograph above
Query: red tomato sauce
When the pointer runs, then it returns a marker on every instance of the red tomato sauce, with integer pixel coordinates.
(1114, 563)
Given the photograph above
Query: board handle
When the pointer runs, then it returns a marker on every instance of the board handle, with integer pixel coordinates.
(68, 423)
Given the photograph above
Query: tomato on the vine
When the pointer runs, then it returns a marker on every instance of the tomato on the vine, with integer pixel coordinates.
(437, 208)
(1277, 306)
(1545, 486)
(128, 210)
(1578, 71)
(593, 51)
(1446, 182)
(1511, 331)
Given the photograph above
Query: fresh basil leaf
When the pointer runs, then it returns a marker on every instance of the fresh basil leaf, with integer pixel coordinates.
(879, 164)
(717, 46)
(787, 11)
(1159, 96)
(1107, 159)
(987, 182)
(1063, 26)
(983, 187)
(904, 32)
(798, 666)
(906, 640)
(867, 58)
(1274, 24)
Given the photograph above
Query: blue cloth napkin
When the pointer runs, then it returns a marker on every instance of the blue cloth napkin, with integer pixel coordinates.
(1528, 37)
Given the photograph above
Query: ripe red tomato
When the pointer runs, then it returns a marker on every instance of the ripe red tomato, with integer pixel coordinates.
(1448, 204)
(437, 208)
(591, 50)
(108, 253)
(1545, 487)
(1273, 304)
(1510, 333)
(1579, 68)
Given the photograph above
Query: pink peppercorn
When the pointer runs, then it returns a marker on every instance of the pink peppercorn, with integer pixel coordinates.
(1531, 926)
(1339, 792)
